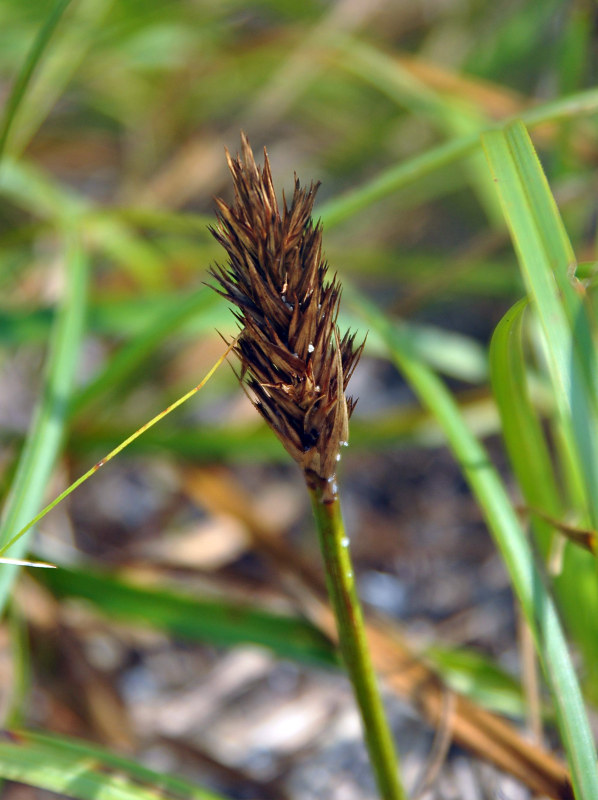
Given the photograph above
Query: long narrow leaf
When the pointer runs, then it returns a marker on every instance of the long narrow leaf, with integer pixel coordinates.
(28, 68)
(46, 432)
(521, 428)
(547, 264)
(71, 44)
(87, 772)
(217, 621)
(502, 521)
(396, 177)
(576, 587)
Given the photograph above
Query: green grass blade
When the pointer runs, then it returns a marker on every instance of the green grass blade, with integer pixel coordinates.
(576, 587)
(87, 772)
(70, 46)
(453, 118)
(547, 263)
(122, 445)
(46, 432)
(190, 618)
(30, 188)
(216, 621)
(479, 678)
(503, 523)
(23, 79)
(521, 428)
(398, 176)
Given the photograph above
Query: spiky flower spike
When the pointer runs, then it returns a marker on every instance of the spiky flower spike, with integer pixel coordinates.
(293, 358)
(297, 367)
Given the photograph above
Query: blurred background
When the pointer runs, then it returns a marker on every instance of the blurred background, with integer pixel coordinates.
(123, 129)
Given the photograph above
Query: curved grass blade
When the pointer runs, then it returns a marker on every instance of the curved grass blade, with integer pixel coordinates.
(43, 441)
(451, 116)
(503, 523)
(19, 562)
(396, 177)
(548, 267)
(118, 449)
(479, 678)
(219, 622)
(28, 68)
(31, 189)
(576, 587)
(521, 428)
(87, 772)
(71, 44)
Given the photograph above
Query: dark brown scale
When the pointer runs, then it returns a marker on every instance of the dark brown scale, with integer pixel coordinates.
(293, 358)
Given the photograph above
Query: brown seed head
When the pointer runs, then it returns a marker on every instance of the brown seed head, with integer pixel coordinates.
(293, 358)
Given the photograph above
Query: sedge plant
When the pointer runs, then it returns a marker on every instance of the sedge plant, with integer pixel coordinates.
(295, 366)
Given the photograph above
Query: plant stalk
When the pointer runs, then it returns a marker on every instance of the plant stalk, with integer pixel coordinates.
(353, 643)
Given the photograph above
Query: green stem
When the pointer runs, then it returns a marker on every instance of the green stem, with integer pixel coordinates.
(353, 643)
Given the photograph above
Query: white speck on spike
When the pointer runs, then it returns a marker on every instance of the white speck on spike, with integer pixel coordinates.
(349, 574)
(344, 444)
(338, 456)
(310, 348)
(345, 541)
(317, 388)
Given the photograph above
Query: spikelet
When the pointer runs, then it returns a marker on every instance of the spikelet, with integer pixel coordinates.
(294, 362)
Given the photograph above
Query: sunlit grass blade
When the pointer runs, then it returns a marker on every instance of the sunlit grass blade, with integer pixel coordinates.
(575, 586)
(504, 524)
(84, 771)
(479, 678)
(47, 428)
(25, 75)
(548, 267)
(19, 562)
(547, 261)
(521, 428)
(222, 623)
(118, 449)
(452, 117)
(219, 622)
(398, 176)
